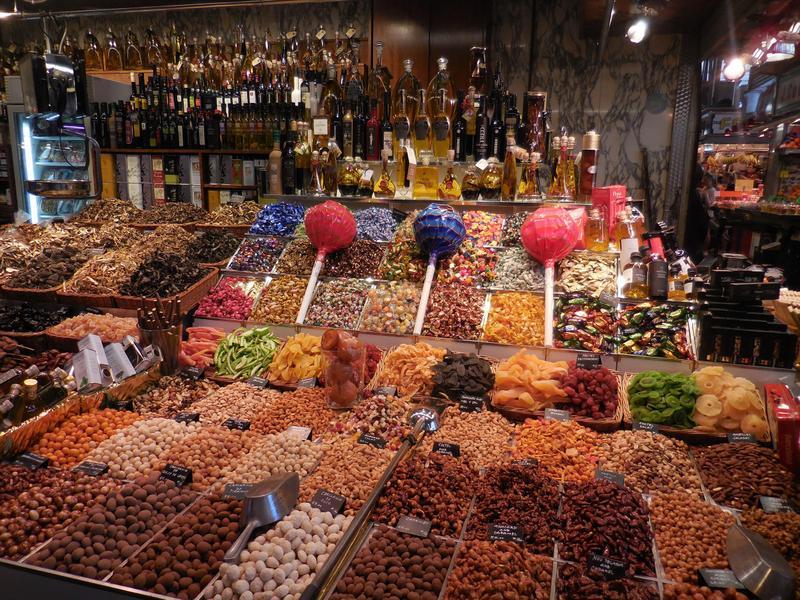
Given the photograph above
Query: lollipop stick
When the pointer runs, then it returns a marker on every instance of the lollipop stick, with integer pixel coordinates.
(426, 291)
(312, 282)
(548, 303)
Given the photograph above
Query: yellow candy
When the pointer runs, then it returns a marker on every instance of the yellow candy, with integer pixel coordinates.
(300, 358)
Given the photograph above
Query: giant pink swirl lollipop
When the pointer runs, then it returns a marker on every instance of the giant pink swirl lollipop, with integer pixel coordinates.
(548, 235)
(330, 226)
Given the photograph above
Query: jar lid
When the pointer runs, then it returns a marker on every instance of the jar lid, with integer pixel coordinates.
(591, 140)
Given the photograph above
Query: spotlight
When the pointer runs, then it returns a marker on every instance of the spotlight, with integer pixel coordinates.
(638, 30)
(734, 69)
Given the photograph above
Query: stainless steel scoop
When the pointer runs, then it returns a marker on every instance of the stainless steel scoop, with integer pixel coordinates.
(759, 567)
(265, 503)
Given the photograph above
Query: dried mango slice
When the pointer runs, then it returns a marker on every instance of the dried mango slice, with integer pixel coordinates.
(708, 405)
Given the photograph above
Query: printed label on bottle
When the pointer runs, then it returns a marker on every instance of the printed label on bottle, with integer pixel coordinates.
(440, 129)
(201, 135)
(387, 143)
(180, 137)
(251, 96)
(243, 97)
(305, 98)
(320, 126)
(457, 149)
(638, 276)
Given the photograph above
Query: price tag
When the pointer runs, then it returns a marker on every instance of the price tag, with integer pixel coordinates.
(193, 373)
(258, 382)
(298, 432)
(741, 438)
(320, 34)
(471, 403)
(239, 424)
(372, 440)
(617, 478)
(308, 382)
(642, 426)
(187, 417)
(236, 490)
(115, 404)
(771, 504)
(180, 475)
(385, 390)
(556, 414)
(447, 449)
(31, 460)
(720, 578)
(414, 526)
(91, 468)
(526, 462)
(612, 567)
(588, 360)
(482, 164)
(508, 533)
(328, 501)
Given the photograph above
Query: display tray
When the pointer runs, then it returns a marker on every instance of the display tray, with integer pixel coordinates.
(189, 298)
(31, 294)
(32, 339)
(63, 343)
(92, 300)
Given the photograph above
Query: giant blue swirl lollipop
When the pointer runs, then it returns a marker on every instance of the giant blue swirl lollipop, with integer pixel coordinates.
(439, 231)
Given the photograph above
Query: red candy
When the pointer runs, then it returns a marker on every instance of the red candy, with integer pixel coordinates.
(227, 301)
(590, 392)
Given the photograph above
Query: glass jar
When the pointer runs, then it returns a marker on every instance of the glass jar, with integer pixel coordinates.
(471, 183)
(595, 233)
(491, 180)
(348, 177)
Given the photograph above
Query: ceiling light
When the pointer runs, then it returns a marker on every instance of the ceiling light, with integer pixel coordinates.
(638, 30)
(734, 69)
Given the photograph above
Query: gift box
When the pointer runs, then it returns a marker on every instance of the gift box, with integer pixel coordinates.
(783, 412)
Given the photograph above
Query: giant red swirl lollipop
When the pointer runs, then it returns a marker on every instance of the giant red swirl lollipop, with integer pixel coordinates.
(549, 234)
(438, 230)
(330, 226)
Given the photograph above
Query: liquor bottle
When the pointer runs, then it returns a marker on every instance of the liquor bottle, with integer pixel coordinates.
(201, 130)
(535, 107)
(595, 232)
(422, 126)
(426, 179)
(384, 187)
(481, 131)
(634, 276)
(492, 180)
(387, 131)
(354, 88)
(104, 132)
(289, 164)
(449, 188)
(373, 133)
(512, 117)
(460, 130)
(316, 188)
(275, 165)
(365, 182)
(497, 128)
(529, 182)
(331, 91)
(410, 84)
(657, 277)
(302, 152)
(348, 177)
(479, 77)
(442, 132)
(119, 124)
(113, 56)
(402, 125)
(677, 283)
(360, 129)
(522, 126)
(441, 82)
(329, 171)
(379, 82)
(508, 185)
(92, 53)
(569, 167)
(588, 164)
(347, 130)
(337, 131)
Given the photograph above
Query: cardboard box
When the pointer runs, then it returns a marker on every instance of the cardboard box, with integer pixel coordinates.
(783, 413)
(611, 201)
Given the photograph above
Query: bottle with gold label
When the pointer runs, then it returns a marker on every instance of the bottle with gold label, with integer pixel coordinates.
(427, 177)
(384, 187)
(676, 283)
(491, 180)
(422, 127)
(595, 232)
(528, 181)
(442, 131)
(449, 188)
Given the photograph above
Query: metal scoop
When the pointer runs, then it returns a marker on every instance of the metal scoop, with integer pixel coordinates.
(759, 567)
(265, 503)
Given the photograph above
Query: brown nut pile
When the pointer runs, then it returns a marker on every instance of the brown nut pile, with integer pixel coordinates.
(209, 452)
(650, 462)
(498, 570)
(16, 479)
(239, 400)
(690, 535)
(737, 474)
(687, 591)
(349, 469)
(38, 512)
(172, 395)
(184, 558)
(483, 437)
(517, 495)
(96, 543)
(436, 488)
(575, 581)
(303, 407)
(782, 530)
(600, 517)
(395, 566)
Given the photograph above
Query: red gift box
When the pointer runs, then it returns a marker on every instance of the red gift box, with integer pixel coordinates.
(783, 411)
(611, 201)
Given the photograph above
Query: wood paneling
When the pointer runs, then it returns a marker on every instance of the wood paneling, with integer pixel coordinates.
(454, 29)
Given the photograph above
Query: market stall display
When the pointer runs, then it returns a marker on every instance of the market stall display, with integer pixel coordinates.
(257, 254)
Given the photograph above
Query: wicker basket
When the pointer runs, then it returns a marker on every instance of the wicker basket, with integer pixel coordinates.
(36, 340)
(93, 300)
(189, 298)
(31, 294)
(66, 343)
(20, 438)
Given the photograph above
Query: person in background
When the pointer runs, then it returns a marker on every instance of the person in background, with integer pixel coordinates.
(696, 218)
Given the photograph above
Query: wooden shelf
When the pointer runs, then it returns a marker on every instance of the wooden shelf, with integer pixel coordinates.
(228, 186)
(192, 151)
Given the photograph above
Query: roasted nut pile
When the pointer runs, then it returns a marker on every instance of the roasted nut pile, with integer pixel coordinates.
(673, 516)
(396, 565)
(737, 474)
(565, 450)
(239, 400)
(37, 513)
(409, 367)
(280, 301)
(337, 303)
(588, 273)
(483, 437)
(360, 259)
(518, 495)
(242, 213)
(381, 415)
(462, 374)
(104, 274)
(304, 407)
(650, 462)
(604, 518)
(515, 318)
(782, 530)
(274, 454)
(182, 560)
(391, 307)
(258, 255)
(455, 311)
(297, 258)
(349, 469)
(498, 570)
(436, 488)
(283, 561)
(173, 394)
(96, 543)
(16, 479)
(686, 591)
(75, 437)
(575, 581)
(134, 451)
(590, 393)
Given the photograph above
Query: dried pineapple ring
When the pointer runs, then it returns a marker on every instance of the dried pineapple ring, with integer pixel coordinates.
(745, 383)
(731, 412)
(704, 421)
(738, 397)
(708, 384)
(729, 424)
(757, 426)
(708, 405)
(756, 403)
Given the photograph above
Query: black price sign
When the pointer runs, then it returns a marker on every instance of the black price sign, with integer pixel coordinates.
(771, 504)
(258, 382)
(741, 438)
(298, 432)
(469, 403)
(193, 373)
(588, 360)
(180, 475)
(308, 382)
(504, 532)
(526, 462)
(236, 490)
(720, 578)
(239, 424)
(556, 414)
(617, 478)
(385, 390)
(91, 468)
(328, 501)
(187, 417)
(447, 449)
(414, 526)
(611, 567)
(115, 404)
(31, 460)
(642, 426)
(372, 440)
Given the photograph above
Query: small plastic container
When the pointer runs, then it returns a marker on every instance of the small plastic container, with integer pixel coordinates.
(345, 358)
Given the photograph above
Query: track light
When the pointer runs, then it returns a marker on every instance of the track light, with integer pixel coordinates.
(638, 30)
(734, 69)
